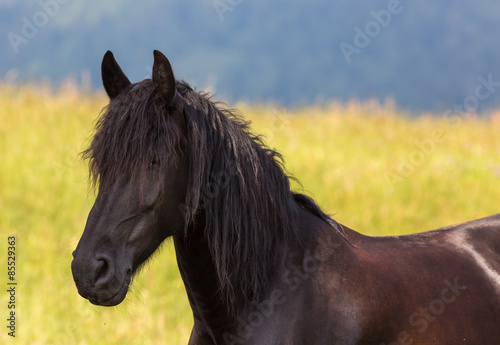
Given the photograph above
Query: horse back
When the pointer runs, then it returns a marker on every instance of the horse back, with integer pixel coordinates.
(436, 287)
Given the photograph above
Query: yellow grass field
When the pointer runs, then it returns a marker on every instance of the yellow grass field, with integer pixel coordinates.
(371, 167)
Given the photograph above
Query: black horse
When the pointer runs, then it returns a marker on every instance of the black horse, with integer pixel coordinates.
(260, 263)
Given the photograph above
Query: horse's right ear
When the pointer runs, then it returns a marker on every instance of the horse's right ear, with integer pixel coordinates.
(113, 78)
(163, 77)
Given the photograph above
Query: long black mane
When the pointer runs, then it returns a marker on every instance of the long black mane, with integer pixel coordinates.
(238, 189)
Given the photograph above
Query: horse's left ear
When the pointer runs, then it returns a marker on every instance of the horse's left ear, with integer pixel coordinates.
(113, 78)
(163, 77)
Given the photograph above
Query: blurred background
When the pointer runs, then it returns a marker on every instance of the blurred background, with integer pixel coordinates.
(425, 55)
(386, 111)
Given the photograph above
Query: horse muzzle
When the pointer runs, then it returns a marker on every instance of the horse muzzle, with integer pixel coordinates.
(99, 279)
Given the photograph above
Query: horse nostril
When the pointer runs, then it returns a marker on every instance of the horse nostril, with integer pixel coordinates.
(104, 270)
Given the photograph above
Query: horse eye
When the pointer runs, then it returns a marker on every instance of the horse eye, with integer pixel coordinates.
(153, 164)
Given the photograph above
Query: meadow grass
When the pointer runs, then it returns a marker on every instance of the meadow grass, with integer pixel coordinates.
(373, 168)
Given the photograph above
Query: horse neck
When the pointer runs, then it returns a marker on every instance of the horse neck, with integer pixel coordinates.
(212, 314)
(198, 272)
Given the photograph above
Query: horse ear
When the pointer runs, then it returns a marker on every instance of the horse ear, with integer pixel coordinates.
(113, 78)
(163, 77)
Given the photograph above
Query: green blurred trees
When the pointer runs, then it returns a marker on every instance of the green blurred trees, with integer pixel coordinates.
(428, 56)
